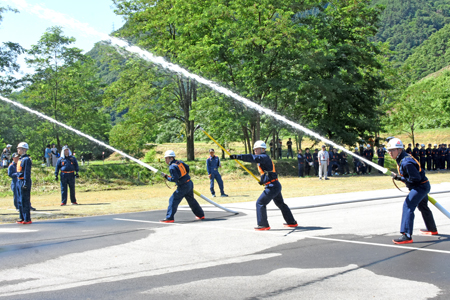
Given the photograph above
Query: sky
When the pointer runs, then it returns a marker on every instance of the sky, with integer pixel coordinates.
(26, 27)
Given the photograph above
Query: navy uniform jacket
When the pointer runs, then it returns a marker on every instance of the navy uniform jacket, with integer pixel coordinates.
(334, 157)
(380, 153)
(300, 158)
(415, 153)
(212, 164)
(66, 164)
(265, 166)
(435, 153)
(24, 169)
(316, 157)
(428, 152)
(12, 172)
(408, 150)
(410, 171)
(368, 154)
(308, 157)
(343, 156)
(355, 158)
(179, 172)
(422, 153)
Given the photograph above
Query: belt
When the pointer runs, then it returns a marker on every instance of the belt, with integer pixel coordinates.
(67, 171)
(21, 178)
(273, 180)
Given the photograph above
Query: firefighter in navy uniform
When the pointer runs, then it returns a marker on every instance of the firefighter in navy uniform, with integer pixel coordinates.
(179, 173)
(422, 156)
(408, 150)
(355, 160)
(442, 155)
(272, 187)
(212, 167)
(429, 155)
(316, 162)
(12, 172)
(411, 174)
(68, 166)
(415, 152)
(23, 187)
(368, 154)
(308, 162)
(380, 153)
(435, 155)
(301, 162)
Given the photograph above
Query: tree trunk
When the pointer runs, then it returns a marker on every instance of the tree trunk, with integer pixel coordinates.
(188, 94)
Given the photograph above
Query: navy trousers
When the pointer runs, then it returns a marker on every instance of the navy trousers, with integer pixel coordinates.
(68, 180)
(417, 197)
(381, 163)
(300, 170)
(272, 191)
(184, 191)
(24, 200)
(14, 190)
(429, 163)
(215, 175)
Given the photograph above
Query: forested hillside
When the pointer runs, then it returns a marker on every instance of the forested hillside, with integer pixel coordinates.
(432, 55)
(406, 24)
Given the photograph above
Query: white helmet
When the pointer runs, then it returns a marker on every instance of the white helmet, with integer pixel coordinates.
(23, 145)
(259, 144)
(169, 153)
(368, 145)
(395, 143)
(9, 145)
(423, 145)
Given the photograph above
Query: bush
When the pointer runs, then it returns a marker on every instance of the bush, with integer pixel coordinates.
(150, 156)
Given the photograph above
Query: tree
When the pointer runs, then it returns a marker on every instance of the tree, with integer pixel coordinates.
(8, 61)
(64, 87)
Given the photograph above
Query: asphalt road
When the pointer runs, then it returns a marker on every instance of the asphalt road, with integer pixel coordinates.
(338, 252)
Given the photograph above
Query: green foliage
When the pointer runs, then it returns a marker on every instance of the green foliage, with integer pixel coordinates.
(407, 24)
(432, 55)
(425, 104)
(150, 156)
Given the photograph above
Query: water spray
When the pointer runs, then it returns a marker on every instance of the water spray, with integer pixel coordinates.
(226, 151)
(65, 20)
(104, 145)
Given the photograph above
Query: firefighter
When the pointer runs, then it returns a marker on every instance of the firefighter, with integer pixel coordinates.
(416, 151)
(368, 154)
(272, 187)
(356, 160)
(308, 162)
(179, 173)
(12, 172)
(212, 167)
(428, 153)
(408, 150)
(343, 163)
(68, 166)
(410, 173)
(381, 151)
(316, 162)
(422, 156)
(23, 187)
(301, 162)
(435, 155)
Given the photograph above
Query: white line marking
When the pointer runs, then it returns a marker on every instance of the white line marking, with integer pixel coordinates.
(379, 245)
(293, 235)
(15, 230)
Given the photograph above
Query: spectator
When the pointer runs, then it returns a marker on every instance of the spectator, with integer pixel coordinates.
(416, 151)
(368, 154)
(23, 186)
(316, 162)
(344, 163)
(324, 161)
(409, 150)
(355, 160)
(381, 151)
(435, 155)
(422, 156)
(12, 172)
(334, 162)
(54, 155)
(429, 157)
(279, 149)
(301, 162)
(6, 156)
(47, 155)
(289, 149)
(442, 156)
(361, 168)
(308, 162)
